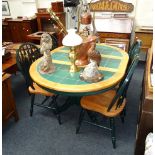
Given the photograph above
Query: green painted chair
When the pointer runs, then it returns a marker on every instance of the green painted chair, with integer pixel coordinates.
(25, 56)
(109, 104)
(134, 49)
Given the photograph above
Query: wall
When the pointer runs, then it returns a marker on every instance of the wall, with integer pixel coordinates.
(45, 3)
(27, 7)
(73, 23)
(143, 11)
(21, 8)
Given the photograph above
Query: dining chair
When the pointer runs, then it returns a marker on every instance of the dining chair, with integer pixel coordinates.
(109, 104)
(25, 56)
(134, 49)
(54, 40)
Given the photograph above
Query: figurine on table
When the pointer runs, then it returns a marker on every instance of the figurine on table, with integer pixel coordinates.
(93, 54)
(91, 73)
(46, 44)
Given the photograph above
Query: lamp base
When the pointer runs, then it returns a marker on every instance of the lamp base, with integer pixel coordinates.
(72, 57)
(74, 68)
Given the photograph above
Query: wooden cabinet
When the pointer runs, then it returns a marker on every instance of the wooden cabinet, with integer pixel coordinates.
(28, 27)
(10, 65)
(146, 35)
(105, 35)
(6, 32)
(16, 31)
(20, 28)
(8, 102)
(145, 121)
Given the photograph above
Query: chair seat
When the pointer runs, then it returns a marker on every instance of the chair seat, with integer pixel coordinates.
(39, 90)
(99, 103)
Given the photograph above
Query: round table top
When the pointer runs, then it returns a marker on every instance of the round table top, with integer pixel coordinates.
(112, 66)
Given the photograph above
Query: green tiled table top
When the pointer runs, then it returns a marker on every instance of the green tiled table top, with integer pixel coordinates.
(63, 76)
(112, 66)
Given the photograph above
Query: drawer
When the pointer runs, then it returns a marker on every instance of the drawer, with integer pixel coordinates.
(26, 29)
(114, 35)
(145, 37)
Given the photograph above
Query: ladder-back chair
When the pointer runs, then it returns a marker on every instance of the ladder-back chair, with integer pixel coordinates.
(109, 104)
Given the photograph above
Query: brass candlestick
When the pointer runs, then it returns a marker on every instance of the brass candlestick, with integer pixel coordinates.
(72, 57)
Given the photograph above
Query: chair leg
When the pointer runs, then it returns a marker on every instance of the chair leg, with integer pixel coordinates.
(124, 111)
(46, 98)
(113, 137)
(53, 100)
(123, 114)
(32, 103)
(80, 120)
(57, 110)
(91, 116)
(59, 119)
(57, 113)
(122, 117)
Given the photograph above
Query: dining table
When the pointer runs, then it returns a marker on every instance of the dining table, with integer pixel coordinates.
(112, 66)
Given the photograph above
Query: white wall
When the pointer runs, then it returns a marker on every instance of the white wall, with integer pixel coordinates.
(46, 3)
(73, 23)
(27, 7)
(143, 11)
(21, 8)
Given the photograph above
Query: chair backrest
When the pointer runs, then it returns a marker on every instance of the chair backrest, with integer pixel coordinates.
(134, 49)
(124, 84)
(133, 61)
(25, 56)
(54, 40)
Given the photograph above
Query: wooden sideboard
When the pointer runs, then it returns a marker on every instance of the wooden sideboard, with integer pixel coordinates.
(6, 33)
(16, 30)
(146, 35)
(8, 102)
(116, 35)
(145, 121)
(10, 65)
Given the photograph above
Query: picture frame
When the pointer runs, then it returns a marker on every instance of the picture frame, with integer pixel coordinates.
(5, 8)
(120, 43)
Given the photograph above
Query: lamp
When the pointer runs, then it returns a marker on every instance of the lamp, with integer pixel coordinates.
(72, 40)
